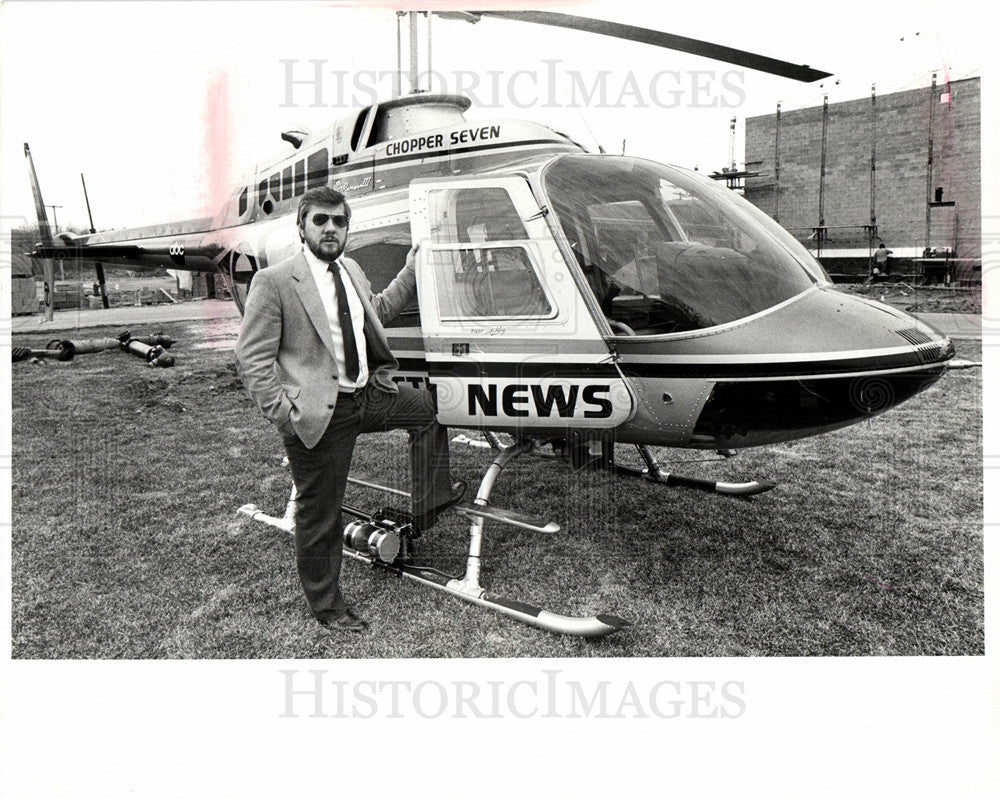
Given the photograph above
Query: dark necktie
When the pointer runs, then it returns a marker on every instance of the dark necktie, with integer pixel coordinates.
(346, 325)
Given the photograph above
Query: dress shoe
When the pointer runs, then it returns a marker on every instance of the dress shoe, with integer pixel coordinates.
(348, 622)
(423, 521)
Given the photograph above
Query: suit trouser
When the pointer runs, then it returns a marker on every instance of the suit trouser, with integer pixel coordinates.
(320, 476)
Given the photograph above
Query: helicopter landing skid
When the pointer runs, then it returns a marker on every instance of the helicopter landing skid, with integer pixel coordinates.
(656, 474)
(471, 591)
(580, 457)
(467, 587)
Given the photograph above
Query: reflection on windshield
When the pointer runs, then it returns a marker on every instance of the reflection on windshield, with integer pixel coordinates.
(665, 253)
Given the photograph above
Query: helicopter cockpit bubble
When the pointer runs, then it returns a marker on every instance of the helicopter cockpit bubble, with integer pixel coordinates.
(681, 253)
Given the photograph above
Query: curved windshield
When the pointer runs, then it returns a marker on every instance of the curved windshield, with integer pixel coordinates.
(666, 250)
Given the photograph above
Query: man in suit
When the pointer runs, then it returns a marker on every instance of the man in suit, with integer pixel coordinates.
(313, 354)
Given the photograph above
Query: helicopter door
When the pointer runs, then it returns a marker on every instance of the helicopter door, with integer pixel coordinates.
(508, 339)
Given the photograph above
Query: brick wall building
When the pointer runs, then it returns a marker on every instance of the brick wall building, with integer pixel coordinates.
(788, 187)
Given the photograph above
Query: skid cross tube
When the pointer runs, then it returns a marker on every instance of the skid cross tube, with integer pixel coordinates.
(656, 473)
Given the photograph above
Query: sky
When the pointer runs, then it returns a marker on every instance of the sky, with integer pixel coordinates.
(164, 106)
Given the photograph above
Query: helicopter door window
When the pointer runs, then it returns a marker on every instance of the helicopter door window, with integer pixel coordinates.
(317, 169)
(489, 270)
(488, 283)
(275, 183)
(262, 193)
(477, 214)
(243, 201)
(286, 183)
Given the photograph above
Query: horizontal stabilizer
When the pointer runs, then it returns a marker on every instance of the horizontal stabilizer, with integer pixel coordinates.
(178, 245)
(80, 251)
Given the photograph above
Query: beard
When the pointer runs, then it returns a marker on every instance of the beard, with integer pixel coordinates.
(327, 250)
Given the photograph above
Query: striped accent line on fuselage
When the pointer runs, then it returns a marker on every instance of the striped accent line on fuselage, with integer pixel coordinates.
(397, 171)
(732, 369)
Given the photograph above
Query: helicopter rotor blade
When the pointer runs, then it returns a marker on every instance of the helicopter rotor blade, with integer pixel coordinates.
(634, 33)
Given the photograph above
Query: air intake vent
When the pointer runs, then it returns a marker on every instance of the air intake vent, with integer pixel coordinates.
(915, 336)
(929, 353)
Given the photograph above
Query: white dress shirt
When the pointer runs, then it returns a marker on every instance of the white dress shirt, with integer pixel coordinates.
(328, 293)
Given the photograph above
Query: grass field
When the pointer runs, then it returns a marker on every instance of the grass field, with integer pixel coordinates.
(126, 542)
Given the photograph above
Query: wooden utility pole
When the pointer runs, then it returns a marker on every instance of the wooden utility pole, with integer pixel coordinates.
(873, 227)
(821, 230)
(930, 162)
(777, 158)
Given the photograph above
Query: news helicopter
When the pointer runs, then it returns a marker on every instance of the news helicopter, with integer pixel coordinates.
(566, 298)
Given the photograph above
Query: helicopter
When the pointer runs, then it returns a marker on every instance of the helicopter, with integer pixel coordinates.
(567, 298)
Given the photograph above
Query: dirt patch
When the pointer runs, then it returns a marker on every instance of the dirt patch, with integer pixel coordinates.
(921, 299)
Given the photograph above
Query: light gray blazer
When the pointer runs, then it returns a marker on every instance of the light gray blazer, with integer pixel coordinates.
(285, 355)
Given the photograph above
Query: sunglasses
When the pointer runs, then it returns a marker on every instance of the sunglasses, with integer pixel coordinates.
(338, 219)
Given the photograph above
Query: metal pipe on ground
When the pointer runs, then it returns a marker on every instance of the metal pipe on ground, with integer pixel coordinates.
(154, 355)
(26, 353)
